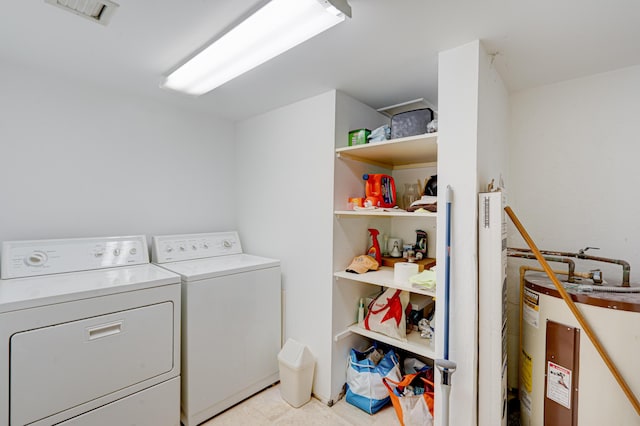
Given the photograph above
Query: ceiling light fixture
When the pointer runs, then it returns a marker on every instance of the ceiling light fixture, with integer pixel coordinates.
(275, 28)
(99, 11)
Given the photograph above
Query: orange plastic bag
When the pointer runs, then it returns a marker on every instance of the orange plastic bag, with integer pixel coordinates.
(411, 409)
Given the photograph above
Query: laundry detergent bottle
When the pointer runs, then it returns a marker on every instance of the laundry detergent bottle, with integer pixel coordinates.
(374, 249)
(380, 190)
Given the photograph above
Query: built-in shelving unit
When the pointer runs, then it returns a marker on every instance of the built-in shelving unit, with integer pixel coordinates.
(414, 152)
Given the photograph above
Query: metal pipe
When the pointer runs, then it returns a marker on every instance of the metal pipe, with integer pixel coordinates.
(586, 275)
(626, 268)
(570, 263)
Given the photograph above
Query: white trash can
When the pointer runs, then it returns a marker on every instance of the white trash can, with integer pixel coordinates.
(296, 373)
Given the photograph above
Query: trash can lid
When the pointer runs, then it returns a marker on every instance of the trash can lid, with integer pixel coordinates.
(295, 355)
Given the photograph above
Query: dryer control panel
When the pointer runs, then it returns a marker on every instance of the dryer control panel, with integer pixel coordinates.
(174, 248)
(44, 257)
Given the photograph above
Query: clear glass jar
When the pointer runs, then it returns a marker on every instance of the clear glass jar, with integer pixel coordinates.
(411, 194)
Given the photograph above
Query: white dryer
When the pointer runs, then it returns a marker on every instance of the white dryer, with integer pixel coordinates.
(89, 334)
(231, 320)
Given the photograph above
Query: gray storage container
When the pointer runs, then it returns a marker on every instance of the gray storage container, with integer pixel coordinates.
(410, 123)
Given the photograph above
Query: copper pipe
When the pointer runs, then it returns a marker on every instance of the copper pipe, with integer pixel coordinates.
(570, 263)
(576, 313)
(587, 275)
(626, 268)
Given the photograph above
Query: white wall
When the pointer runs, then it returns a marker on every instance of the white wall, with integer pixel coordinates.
(574, 158)
(473, 111)
(493, 127)
(573, 171)
(284, 189)
(78, 160)
(457, 167)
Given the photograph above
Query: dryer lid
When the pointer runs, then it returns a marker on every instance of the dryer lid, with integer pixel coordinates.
(22, 293)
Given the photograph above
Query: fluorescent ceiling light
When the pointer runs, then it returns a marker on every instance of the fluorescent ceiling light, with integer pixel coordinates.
(272, 30)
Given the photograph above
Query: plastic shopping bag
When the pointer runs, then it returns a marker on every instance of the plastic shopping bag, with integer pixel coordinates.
(412, 397)
(387, 314)
(365, 389)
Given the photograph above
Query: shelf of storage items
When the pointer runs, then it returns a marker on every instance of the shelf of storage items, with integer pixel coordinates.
(383, 277)
(414, 343)
(385, 213)
(412, 151)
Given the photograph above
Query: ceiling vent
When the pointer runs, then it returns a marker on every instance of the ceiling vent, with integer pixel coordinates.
(98, 11)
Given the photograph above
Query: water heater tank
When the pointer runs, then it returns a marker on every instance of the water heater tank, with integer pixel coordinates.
(563, 379)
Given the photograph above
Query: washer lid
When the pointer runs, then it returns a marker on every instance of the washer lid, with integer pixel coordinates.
(211, 267)
(23, 293)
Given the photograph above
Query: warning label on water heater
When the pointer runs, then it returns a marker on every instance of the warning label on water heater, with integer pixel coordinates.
(531, 308)
(559, 384)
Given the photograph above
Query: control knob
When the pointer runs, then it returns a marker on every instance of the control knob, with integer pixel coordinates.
(36, 258)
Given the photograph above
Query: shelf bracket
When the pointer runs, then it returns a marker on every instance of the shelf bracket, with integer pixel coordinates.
(342, 335)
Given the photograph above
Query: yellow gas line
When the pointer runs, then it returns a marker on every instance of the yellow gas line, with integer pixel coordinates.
(574, 309)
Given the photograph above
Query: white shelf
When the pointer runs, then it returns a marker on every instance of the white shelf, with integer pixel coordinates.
(382, 277)
(412, 151)
(414, 344)
(381, 213)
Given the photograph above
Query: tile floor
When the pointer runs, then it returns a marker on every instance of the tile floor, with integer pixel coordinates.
(268, 408)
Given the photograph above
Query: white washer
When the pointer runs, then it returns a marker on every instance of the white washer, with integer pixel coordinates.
(89, 333)
(231, 320)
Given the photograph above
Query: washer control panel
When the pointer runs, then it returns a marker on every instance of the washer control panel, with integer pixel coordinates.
(174, 248)
(44, 257)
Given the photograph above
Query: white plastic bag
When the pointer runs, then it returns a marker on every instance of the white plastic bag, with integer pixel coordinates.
(387, 314)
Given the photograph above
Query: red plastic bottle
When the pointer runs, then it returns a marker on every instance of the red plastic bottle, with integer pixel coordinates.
(374, 250)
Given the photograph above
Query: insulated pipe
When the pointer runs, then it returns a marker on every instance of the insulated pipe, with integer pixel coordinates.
(607, 289)
(576, 313)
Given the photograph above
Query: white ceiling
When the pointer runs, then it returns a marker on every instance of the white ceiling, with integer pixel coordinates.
(385, 54)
